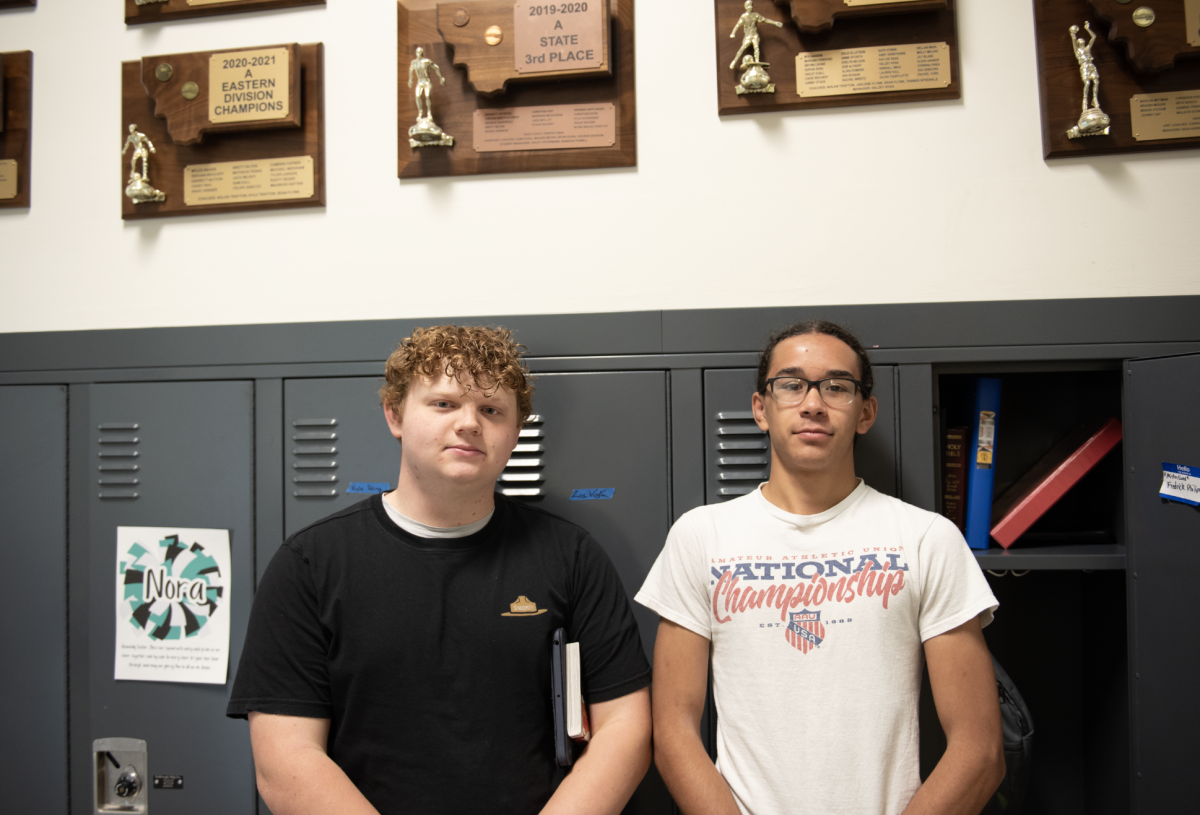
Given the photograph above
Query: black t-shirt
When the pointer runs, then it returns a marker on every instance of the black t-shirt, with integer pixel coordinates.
(433, 670)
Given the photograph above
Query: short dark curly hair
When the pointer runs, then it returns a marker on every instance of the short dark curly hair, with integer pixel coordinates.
(472, 355)
(816, 327)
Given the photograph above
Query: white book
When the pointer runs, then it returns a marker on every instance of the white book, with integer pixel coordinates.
(577, 723)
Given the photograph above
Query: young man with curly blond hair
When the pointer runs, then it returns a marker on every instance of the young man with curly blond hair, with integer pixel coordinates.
(398, 653)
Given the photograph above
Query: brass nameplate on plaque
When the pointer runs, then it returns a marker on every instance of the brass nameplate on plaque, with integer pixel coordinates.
(1173, 115)
(545, 127)
(208, 2)
(8, 178)
(1191, 19)
(248, 86)
(851, 2)
(873, 70)
(559, 36)
(248, 182)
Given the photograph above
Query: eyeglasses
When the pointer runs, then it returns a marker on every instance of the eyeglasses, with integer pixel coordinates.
(836, 392)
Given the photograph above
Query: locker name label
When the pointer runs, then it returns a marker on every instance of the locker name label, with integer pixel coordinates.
(168, 782)
(368, 487)
(1181, 484)
(602, 494)
(248, 86)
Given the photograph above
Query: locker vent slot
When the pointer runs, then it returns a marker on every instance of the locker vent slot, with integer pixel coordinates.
(743, 458)
(118, 449)
(523, 475)
(313, 452)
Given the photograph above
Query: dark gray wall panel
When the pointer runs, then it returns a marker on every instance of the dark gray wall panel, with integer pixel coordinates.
(1164, 557)
(937, 325)
(33, 605)
(918, 440)
(269, 438)
(687, 440)
(544, 334)
(737, 457)
(365, 449)
(195, 457)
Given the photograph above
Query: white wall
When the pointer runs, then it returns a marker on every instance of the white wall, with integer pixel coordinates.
(889, 203)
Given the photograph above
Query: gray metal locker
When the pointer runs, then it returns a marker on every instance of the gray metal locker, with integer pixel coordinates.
(33, 687)
(167, 454)
(736, 452)
(1163, 559)
(334, 435)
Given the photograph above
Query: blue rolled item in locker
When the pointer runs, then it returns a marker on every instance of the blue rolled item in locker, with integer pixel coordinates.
(982, 474)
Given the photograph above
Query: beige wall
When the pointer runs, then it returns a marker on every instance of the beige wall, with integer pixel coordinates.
(892, 203)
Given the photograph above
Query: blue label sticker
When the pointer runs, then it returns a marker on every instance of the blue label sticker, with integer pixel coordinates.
(1180, 483)
(369, 487)
(599, 494)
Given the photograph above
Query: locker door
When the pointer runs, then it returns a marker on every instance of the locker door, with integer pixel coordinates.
(335, 435)
(170, 454)
(33, 606)
(737, 456)
(1163, 561)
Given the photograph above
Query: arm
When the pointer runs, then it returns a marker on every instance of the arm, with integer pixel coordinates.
(736, 26)
(295, 774)
(616, 759)
(680, 681)
(964, 692)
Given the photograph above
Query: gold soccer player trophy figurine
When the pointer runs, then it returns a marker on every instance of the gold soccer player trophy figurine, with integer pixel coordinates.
(754, 77)
(139, 189)
(1093, 121)
(425, 133)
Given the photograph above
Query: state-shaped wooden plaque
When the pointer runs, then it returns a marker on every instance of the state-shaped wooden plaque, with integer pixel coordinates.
(528, 86)
(1152, 42)
(139, 12)
(1149, 78)
(834, 53)
(815, 16)
(16, 122)
(233, 130)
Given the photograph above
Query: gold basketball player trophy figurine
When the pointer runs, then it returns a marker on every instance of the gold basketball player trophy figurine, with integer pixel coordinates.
(139, 189)
(1093, 121)
(754, 75)
(425, 133)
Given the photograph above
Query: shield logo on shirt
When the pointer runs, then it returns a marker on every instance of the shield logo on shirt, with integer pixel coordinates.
(805, 630)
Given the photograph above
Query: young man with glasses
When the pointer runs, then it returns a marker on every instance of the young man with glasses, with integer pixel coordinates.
(817, 600)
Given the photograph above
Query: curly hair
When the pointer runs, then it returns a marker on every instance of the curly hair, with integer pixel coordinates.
(816, 327)
(488, 356)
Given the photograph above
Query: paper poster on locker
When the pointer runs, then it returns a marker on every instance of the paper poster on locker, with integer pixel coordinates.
(173, 596)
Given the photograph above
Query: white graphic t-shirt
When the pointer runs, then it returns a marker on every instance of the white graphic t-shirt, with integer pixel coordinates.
(817, 624)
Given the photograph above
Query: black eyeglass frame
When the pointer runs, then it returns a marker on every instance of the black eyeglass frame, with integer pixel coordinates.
(811, 383)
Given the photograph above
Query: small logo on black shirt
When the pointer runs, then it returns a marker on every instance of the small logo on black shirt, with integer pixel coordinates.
(523, 607)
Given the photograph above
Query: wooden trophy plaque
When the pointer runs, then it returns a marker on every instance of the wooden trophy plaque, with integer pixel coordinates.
(528, 87)
(1148, 62)
(234, 130)
(17, 3)
(139, 12)
(16, 106)
(834, 53)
